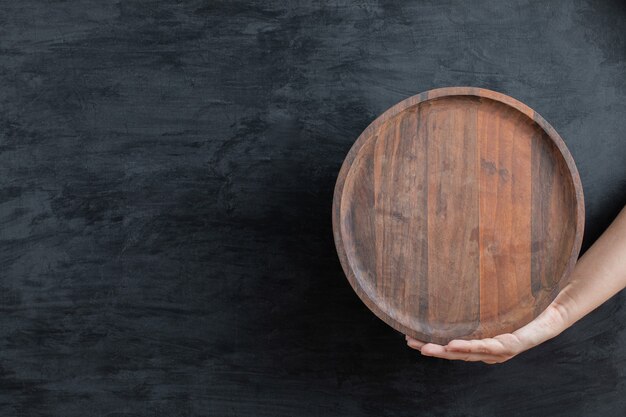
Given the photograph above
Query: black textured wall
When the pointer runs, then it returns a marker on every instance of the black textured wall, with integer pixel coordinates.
(166, 178)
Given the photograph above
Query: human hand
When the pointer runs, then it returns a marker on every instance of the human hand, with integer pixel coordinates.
(503, 347)
(598, 275)
(492, 350)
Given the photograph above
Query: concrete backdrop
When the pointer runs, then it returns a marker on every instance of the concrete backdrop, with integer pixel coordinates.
(166, 178)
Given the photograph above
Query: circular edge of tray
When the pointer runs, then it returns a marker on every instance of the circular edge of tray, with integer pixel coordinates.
(412, 101)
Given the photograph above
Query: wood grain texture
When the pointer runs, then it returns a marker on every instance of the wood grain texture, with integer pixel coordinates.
(458, 213)
(453, 307)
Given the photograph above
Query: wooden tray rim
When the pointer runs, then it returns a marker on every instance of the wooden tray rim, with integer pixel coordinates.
(413, 101)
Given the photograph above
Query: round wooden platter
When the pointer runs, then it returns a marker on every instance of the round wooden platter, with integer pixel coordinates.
(458, 213)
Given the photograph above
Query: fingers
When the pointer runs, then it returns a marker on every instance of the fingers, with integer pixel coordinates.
(487, 350)
(502, 345)
(414, 343)
(491, 350)
(490, 346)
(438, 351)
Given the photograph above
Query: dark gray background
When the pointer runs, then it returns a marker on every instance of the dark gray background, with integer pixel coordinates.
(166, 178)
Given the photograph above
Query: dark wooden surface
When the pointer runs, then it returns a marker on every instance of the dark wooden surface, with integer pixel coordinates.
(166, 182)
(458, 213)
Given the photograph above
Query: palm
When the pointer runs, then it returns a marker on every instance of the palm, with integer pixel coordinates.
(499, 348)
(493, 350)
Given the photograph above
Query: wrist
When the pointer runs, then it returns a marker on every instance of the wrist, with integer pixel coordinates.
(550, 323)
